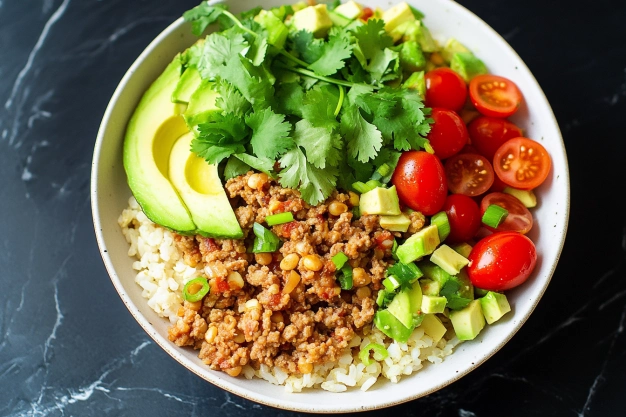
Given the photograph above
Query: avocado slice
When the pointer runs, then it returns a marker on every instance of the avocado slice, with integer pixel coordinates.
(406, 305)
(391, 326)
(152, 131)
(449, 260)
(417, 82)
(188, 83)
(494, 305)
(277, 31)
(397, 15)
(430, 287)
(313, 19)
(452, 47)
(433, 327)
(433, 304)
(200, 187)
(399, 223)
(420, 244)
(411, 56)
(350, 10)
(463, 249)
(201, 105)
(469, 321)
(527, 197)
(467, 65)
(380, 201)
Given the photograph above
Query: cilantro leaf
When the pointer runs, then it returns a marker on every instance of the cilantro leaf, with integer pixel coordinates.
(334, 53)
(257, 51)
(364, 140)
(230, 99)
(372, 51)
(320, 143)
(289, 97)
(270, 133)
(222, 136)
(314, 184)
(217, 51)
(235, 167)
(260, 164)
(202, 16)
(308, 48)
(319, 104)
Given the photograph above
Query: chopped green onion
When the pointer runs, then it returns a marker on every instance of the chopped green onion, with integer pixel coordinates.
(384, 297)
(265, 240)
(192, 293)
(356, 212)
(443, 225)
(380, 353)
(374, 184)
(381, 172)
(360, 187)
(339, 260)
(345, 278)
(279, 218)
(494, 215)
(393, 249)
(391, 283)
(405, 273)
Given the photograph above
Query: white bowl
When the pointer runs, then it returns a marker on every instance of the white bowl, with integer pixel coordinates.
(110, 193)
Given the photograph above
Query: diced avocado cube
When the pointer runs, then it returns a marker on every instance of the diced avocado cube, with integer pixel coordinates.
(277, 31)
(380, 201)
(418, 32)
(417, 82)
(187, 84)
(299, 6)
(467, 65)
(411, 56)
(527, 197)
(201, 105)
(449, 260)
(420, 244)
(434, 272)
(430, 287)
(406, 305)
(469, 321)
(350, 10)
(338, 20)
(463, 249)
(466, 289)
(391, 326)
(397, 15)
(399, 223)
(433, 327)
(494, 305)
(433, 304)
(452, 47)
(314, 19)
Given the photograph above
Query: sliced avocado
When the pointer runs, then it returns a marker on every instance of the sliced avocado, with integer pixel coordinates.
(277, 31)
(338, 19)
(494, 305)
(351, 10)
(452, 47)
(467, 65)
(152, 131)
(200, 187)
(397, 15)
(527, 197)
(418, 32)
(420, 244)
(434, 272)
(449, 260)
(380, 201)
(399, 223)
(201, 105)
(468, 322)
(406, 305)
(299, 6)
(458, 289)
(433, 327)
(430, 287)
(479, 292)
(188, 83)
(417, 82)
(463, 249)
(314, 19)
(433, 304)
(391, 326)
(411, 56)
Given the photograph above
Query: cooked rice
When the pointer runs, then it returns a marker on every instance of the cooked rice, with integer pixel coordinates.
(162, 274)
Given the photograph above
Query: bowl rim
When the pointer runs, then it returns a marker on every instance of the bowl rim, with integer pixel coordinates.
(174, 351)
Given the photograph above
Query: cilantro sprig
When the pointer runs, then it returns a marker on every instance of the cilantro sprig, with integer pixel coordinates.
(315, 113)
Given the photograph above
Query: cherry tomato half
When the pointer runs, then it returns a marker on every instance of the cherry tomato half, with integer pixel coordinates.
(519, 218)
(489, 133)
(366, 14)
(494, 96)
(420, 182)
(469, 174)
(445, 88)
(502, 261)
(448, 133)
(522, 163)
(464, 217)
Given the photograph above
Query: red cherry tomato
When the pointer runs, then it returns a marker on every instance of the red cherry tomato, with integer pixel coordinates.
(445, 88)
(448, 133)
(519, 218)
(489, 133)
(469, 174)
(420, 181)
(522, 163)
(464, 217)
(502, 261)
(498, 186)
(494, 96)
(366, 14)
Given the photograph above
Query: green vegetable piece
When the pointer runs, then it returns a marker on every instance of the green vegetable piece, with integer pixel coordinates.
(356, 213)
(463, 249)
(467, 65)
(452, 47)
(339, 260)
(277, 31)
(433, 327)
(406, 305)
(279, 218)
(314, 19)
(448, 259)
(494, 306)
(380, 201)
(420, 244)
(399, 223)
(494, 215)
(397, 15)
(433, 304)
(411, 56)
(391, 283)
(406, 273)
(469, 321)
(384, 297)
(350, 10)
(527, 197)
(391, 326)
(345, 278)
(430, 287)
(380, 353)
(265, 240)
(418, 32)
(339, 19)
(201, 105)
(443, 225)
(188, 83)
(479, 292)
(196, 289)
(416, 82)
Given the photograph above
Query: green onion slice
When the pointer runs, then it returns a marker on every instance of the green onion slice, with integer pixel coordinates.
(339, 260)
(195, 289)
(406, 273)
(280, 218)
(380, 353)
(391, 283)
(345, 278)
(494, 215)
(356, 212)
(265, 240)
(384, 297)
(381, 172)
(443, 225)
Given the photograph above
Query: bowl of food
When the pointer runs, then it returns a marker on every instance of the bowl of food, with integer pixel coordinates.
(305, 204)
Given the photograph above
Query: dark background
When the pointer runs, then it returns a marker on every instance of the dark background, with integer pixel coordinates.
(68, 345)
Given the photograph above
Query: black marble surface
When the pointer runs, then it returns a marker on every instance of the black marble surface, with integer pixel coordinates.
(68, 346)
